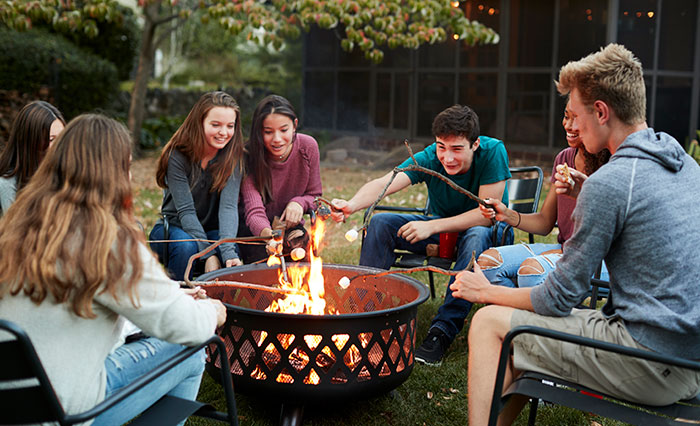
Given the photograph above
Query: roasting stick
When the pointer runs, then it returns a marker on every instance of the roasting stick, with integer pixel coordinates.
(436, 269)
(236, 284)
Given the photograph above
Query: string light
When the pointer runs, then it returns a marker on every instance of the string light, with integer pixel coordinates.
(454, 3)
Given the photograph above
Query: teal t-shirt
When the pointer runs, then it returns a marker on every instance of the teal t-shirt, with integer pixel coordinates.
(490, 165)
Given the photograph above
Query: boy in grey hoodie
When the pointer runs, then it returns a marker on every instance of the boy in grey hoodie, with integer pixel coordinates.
(636, 212)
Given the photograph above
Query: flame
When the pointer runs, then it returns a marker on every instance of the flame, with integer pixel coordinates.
(306, 281)
(308, 298)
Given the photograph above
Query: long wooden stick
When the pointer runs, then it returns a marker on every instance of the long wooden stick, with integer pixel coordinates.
(238, 284)
(436, 269)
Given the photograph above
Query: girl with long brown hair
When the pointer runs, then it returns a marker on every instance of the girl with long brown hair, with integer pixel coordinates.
(200, 171)
(33, 130)
(75, 267)
(285, 176)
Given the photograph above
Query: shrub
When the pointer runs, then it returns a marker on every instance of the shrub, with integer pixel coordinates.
(79, 81)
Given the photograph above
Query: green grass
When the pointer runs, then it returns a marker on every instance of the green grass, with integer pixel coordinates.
(430, 396)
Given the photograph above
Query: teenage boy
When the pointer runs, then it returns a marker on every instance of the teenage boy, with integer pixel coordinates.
(638, 213)
(476, 163)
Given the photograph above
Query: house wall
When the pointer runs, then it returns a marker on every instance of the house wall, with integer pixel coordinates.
(510, 84)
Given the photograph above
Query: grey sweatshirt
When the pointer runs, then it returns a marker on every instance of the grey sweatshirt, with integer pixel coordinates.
(189, 204)
(639, 213)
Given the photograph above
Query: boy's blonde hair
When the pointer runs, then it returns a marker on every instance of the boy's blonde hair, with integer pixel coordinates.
(612, 75)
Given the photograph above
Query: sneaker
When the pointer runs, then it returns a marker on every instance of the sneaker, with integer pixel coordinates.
(433, 348)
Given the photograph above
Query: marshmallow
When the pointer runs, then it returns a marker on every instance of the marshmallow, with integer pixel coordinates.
(351, 235)
(298, 254)
(344, 282)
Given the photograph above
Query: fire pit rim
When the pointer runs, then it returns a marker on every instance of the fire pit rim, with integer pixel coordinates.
(422, 289)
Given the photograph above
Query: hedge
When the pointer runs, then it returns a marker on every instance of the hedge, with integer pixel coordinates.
(80, 81)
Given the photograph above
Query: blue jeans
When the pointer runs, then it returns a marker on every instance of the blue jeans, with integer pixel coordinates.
(178, 253)
(507, 272)
(381, 241)
(131, 361)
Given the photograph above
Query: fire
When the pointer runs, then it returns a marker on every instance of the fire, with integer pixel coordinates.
(306, 281)
(307, 298)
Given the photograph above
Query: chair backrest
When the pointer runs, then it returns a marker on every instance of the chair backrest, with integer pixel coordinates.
(524, 188)
(26, 395)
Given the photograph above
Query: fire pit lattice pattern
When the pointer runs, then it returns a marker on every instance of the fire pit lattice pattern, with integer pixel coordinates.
(366, 347)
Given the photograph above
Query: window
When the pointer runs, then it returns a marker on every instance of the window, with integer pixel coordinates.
(353, 101)
(531, 24)
(677, 36)
(672, 106)
(320, 48)
(437, 55)
(382, 111)
(318, 102)
(479, 92)
(527, 109)
(637, 28)
(582, 28)
(488, 12)
(435, 93)
(402, 96)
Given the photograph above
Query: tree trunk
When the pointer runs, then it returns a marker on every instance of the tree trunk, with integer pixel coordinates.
(143, 74)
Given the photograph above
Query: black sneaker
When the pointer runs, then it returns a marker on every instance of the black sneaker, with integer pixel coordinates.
(433, 348)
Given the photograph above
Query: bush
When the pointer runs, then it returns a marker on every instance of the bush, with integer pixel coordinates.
(117, 41)
(156, 132)
(79, 81)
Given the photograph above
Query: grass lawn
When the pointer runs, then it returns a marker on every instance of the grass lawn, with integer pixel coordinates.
(430, 396)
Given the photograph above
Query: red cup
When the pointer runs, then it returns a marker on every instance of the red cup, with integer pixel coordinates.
(448, 243)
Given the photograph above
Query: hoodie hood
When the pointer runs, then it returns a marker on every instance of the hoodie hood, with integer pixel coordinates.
(659, 147)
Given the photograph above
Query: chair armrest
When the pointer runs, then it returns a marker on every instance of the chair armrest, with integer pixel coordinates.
(149, 377)
(579, 340)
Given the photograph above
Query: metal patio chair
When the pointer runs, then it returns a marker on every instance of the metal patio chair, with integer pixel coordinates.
(31, 399)
(544, 387)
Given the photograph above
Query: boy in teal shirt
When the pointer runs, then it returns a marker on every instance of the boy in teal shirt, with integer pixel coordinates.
(476, 163)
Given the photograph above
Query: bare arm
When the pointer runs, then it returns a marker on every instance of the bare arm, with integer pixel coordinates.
(368, 194)
(475, 287)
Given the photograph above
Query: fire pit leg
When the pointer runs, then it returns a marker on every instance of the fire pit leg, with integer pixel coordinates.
(291, 415)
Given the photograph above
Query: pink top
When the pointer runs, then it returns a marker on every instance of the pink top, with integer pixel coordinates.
(565, 205)
(298, 179)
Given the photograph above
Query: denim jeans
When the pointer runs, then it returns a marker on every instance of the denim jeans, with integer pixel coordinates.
(178, 253)
(507, 274)
(130, 361)
(381, 241)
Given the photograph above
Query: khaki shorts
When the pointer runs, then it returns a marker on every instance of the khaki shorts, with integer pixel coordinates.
(617, 375)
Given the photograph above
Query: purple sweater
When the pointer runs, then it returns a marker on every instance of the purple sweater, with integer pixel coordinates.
(298, 179)
(565, 204)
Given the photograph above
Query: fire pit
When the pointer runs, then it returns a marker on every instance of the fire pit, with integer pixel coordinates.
(364, 348)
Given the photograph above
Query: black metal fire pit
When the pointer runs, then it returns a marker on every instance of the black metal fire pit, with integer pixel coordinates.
(365, 350)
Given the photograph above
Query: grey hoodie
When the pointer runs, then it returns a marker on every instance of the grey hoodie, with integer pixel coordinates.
(640, 213)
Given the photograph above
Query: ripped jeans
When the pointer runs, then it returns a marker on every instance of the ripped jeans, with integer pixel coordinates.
(523, 265)
(130, 361)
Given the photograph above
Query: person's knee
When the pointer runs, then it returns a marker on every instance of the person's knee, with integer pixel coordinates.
(530, 266)
(490, 259)
(489, 320)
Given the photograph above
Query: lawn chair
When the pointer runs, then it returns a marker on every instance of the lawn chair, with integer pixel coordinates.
(539, 386)
(31, 398)
(523, 197)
